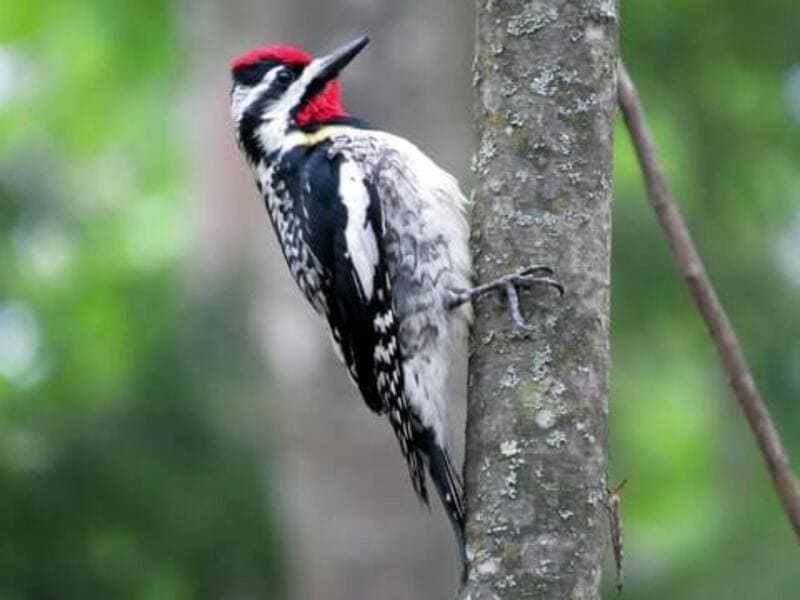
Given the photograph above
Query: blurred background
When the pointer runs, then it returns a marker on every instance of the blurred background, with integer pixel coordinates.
(173, 423)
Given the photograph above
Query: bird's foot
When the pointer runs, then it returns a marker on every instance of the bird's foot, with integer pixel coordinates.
(536, 274)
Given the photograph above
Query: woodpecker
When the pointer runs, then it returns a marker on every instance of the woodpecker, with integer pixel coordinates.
(375, 235)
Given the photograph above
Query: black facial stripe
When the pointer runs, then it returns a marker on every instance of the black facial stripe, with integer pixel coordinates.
(251, 74)
(273, 92)
(251, 118)
(247, 136)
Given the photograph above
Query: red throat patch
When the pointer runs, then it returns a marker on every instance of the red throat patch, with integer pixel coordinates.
(326, 105)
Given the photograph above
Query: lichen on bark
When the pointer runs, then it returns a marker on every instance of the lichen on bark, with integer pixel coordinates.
(538, 403)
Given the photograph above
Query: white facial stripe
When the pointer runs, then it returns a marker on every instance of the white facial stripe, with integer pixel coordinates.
(275, 118)
(291, 98)
(272, 133)
(243, 97)
(310, 72)
(281, 108)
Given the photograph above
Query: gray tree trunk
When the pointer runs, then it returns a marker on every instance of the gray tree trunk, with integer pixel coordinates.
(536, 430)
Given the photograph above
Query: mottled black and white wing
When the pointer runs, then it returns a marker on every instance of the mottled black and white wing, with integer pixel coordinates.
(348, 239)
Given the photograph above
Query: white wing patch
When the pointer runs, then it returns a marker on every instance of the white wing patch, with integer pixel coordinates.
(422, 203)
(362, 245)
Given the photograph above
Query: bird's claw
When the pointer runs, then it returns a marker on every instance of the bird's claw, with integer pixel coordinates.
(508, 285)
(533, 269)
(513, 307)
(527, 276)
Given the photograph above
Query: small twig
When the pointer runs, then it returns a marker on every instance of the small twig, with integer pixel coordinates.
(720, 328)
(613, 500)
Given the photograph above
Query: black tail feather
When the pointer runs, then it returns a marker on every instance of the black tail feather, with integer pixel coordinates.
(448, 485)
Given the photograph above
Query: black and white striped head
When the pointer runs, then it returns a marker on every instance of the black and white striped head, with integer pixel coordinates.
(276, 88)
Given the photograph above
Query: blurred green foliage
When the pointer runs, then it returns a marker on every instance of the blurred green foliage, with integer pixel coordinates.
(721, 85)
(118, 477)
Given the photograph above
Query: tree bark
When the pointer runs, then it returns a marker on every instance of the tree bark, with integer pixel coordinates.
(545, 86)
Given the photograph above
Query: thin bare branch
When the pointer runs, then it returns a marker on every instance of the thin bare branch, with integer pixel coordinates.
(705, 297)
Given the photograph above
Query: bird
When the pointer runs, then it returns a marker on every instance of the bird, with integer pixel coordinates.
(375, 235)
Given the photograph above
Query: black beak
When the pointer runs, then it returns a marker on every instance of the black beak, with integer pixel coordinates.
(333, 63)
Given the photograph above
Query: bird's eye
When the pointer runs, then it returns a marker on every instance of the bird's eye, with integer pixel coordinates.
(284, 76)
